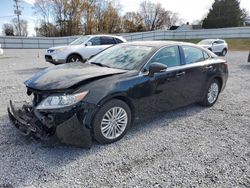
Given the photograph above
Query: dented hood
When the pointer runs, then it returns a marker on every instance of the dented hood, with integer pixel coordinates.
(68, 75)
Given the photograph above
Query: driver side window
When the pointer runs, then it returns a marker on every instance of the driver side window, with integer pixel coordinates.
(95, 41)
(168, 56)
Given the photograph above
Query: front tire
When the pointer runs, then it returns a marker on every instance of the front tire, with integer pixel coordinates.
(74, 58)
(212, 93)
(111, 121)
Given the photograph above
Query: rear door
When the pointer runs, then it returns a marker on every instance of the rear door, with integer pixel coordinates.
(195, 72)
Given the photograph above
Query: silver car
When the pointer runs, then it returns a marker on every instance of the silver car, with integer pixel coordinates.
(81, 49)
(218, 46)
(1, 50)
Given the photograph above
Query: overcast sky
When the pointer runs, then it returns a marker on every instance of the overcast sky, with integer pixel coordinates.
(189, 10)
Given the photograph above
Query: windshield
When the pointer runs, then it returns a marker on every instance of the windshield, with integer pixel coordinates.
(80, 40)
(122, 56)
(206, 42)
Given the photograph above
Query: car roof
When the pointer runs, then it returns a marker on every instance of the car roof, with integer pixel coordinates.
(157, 43)
(212, 40)
(103, 35)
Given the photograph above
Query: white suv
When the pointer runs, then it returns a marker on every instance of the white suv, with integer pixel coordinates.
(81, 49)
(218, 46)
(1, 50)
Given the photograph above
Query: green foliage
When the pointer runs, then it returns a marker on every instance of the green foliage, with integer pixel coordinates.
(224, 13)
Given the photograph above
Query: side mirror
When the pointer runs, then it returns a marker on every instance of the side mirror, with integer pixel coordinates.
(214, 43)
(156, 68)
(88, 44)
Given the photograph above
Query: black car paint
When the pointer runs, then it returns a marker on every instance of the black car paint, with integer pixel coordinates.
(67, 75)
(145, 94)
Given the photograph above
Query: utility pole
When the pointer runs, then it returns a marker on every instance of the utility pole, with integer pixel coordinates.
(18, 12)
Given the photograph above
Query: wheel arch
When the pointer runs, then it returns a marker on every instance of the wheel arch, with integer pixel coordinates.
(216, 77)
(74, 53)
(121, 96)
(219, 79)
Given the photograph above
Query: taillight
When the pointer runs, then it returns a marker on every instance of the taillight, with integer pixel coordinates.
(225, 65)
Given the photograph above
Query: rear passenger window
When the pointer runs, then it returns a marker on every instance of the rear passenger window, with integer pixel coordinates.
(95, 41)
(168, 56)
(192, 54)
(107, 40)
(118, 40)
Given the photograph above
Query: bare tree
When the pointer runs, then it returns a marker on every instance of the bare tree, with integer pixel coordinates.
(133, 22)
(155, 16)
(8, 29)
(112, 20)
(43, 10)
(23, 26)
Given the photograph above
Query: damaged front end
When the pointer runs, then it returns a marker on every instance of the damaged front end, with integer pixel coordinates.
(70, 125)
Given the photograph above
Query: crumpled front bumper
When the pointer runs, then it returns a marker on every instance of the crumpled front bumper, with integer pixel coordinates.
(72, 131)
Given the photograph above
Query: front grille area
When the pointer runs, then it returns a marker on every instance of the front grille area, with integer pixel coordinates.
(48, 57)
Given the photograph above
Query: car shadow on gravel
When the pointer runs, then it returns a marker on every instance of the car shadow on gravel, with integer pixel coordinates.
(29, 71)
(164, 118)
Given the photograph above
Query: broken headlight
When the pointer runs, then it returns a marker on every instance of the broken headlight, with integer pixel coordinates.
(60, 101)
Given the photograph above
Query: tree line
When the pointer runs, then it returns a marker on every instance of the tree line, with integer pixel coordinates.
(12, 28)
(75, 17)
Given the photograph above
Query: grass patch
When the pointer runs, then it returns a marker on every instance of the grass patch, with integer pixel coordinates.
(233, 44)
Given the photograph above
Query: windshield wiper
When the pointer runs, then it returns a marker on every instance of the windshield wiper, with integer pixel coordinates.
(99, 64)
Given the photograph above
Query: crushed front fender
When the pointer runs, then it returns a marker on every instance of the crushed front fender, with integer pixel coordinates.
(72, 131)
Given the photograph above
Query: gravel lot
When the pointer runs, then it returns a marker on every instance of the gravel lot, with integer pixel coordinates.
(189, 147)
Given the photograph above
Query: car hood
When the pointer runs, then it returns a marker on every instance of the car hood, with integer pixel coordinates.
(205, 45)
(68, 75)
(66, 46)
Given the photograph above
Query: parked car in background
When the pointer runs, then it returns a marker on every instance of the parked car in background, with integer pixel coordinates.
(81, 49)
(218, 46)
(103, 96)
(1, 50)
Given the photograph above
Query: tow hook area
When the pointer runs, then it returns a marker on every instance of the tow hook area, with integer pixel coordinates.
(72, 131)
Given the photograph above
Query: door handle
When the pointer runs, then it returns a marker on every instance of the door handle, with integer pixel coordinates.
(180, 73)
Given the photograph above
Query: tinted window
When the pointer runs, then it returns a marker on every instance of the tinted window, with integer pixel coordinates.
(95, 41)
(107, 40)
(168, 56)
(220, 42)
(192, 54)
(118, 40)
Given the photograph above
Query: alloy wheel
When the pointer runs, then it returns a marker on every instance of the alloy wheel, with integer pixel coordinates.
(213, 93)
(114, 122)
(74, 59)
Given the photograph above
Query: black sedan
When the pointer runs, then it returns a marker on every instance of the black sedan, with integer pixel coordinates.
(101, 98)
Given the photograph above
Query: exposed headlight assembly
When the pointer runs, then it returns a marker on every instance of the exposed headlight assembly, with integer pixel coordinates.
(60, 101)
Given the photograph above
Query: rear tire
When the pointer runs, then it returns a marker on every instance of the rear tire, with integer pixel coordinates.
(224, 52)
(111, 121)
(74, 58)
(212, 93)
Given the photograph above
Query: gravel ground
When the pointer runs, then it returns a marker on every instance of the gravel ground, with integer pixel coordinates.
(189, 147)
